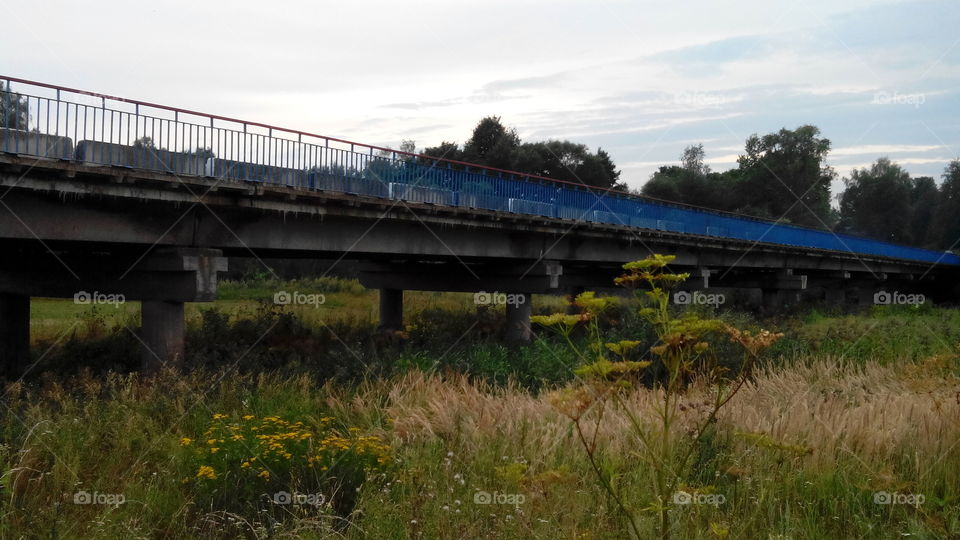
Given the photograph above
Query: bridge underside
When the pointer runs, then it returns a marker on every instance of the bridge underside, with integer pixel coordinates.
(67, 228)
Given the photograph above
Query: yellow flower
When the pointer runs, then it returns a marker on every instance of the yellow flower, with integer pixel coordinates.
(245, 465)
(219, 416)
(206, 471)
(264, 474)
(185, 441)
(214, 450)
(248, 417)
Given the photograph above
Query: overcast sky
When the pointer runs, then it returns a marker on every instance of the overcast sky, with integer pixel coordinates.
(640, 79)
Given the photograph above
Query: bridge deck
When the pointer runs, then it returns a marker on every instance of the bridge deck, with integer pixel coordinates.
(187, 143)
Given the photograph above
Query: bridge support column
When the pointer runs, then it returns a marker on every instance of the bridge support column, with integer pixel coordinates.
(836, 297)
(774, 300)
(14, 335)
(391, 309)
(162, 334)
(865, 296)
(518, 320)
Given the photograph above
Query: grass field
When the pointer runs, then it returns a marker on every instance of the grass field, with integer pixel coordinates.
(850, 430)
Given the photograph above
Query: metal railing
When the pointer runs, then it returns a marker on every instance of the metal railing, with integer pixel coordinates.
(64, 123)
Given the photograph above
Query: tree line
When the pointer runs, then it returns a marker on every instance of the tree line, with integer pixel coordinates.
(784, 176)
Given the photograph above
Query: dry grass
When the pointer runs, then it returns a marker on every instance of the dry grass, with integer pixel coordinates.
(870, 411)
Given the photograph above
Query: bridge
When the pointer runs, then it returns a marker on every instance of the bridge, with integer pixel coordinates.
(101, 193)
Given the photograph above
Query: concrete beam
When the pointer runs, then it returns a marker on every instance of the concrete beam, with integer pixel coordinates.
(538, 276)
(14, 335)
(183, 275)
(758, 279)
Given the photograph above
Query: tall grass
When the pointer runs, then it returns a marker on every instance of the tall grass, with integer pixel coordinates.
(801, 454)
(851, 406)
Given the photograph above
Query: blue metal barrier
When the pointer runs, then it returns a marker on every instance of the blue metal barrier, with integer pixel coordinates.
(180, 142)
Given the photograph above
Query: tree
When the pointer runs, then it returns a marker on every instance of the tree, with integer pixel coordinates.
(946, 224)
(569, 161)
(924, 200)
(408, 145)
(145, 142)
(14, 109)
(691, 182)
(446, 150)
(692, 160)
(877, 202)
(491, 144)
(784, 175)
(494, 145)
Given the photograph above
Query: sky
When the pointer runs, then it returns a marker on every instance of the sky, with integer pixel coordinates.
(641, 79)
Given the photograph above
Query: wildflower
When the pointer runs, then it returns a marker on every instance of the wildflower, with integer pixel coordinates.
(206, 471)
(219, 416)
(185, 441)
(265, 474)
(248, 417)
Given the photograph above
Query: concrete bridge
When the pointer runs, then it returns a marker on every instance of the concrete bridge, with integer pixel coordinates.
(88, 204)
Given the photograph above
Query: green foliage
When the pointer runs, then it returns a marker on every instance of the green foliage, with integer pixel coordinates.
(877, 203)
(778, 169)
(494, 145)
(14, 109)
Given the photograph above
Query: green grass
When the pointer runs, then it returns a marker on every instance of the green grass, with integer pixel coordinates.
(871, 396)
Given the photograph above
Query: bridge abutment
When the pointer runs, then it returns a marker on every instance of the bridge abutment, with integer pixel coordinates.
(14, 334)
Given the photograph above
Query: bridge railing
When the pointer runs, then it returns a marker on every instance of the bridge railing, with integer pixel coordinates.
(64, 123)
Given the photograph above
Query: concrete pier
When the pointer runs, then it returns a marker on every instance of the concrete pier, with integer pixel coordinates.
(391, 309)
(162, 332)
(14, 335)
(518, 320)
